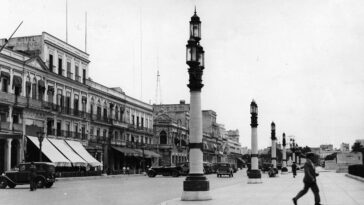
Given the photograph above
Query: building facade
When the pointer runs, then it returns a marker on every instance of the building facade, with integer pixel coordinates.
(171, 128)
(45, 87)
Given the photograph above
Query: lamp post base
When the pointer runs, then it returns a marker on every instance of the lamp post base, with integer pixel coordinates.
(254, 174)
(196, 187)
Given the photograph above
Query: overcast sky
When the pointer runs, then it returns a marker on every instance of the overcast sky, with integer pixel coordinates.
(302, 61)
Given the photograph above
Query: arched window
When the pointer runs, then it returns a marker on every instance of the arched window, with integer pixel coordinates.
(163, 137)
(34, 89)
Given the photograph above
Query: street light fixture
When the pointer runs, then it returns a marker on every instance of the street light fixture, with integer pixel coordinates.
(40, 138)
(196, 187)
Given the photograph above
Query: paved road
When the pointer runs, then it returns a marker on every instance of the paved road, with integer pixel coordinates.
(125, 190)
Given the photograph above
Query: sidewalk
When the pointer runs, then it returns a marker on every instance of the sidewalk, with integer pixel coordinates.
(97, 177)
(335, 189)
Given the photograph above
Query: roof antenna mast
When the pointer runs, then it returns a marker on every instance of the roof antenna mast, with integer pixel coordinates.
(7, 40)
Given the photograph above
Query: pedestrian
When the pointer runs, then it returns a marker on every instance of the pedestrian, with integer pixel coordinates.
(124, 170)
(32, 176)
(294, 169)
(309, 180)
(127, 170)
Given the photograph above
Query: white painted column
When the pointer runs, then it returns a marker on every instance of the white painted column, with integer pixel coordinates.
(7, 154)
(284, 164)
(11, 90)
(274, 154)
(254, 145)
(10, 118)
(196, 155)
(19, 152)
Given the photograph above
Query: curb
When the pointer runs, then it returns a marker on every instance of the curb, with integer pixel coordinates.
(355, 177)
(96, 177)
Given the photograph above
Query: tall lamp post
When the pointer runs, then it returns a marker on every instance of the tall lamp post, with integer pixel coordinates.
(284, 163)
(254, 173)
(196, 187)
(293, 149)
(274, 142)
(40, 138)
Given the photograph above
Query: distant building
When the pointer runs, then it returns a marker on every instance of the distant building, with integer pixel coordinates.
(327, 147)
(344, 147)
(171, 127)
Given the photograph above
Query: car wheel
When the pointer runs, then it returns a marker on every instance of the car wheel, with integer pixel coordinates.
(151, 174)
(175, 174)
(11, 185)
(3, 183)
(39, 183)
(48, 185)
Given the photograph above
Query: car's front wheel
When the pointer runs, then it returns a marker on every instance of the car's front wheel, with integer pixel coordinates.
(49, 184)
(40, 182)
(151, 174)
(3, 183)
(12, 185)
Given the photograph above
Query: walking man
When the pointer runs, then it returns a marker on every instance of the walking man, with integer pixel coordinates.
(309, 180)
(294, 169)
(33, 175)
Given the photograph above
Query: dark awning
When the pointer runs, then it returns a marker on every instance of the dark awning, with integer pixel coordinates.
(17, 81)
(127, 151)
(148, 153)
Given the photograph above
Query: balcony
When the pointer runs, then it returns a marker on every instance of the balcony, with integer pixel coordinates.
(120, 124)
(18, 127)
(4, 125)
(7, 98)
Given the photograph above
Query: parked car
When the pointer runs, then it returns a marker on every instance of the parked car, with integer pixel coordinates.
(224, 169)
(45, 175)
(208, 168)
(175, 171)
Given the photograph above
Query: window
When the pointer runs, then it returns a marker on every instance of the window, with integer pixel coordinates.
(92, 131)
(4, 85)
(68, 102)
(59, 99)
(98, 132)
(104, 133)
(83, 132)
(163, 137)
(59, 128)
(105, 114)
(59, 66)
(75, 104)
(77, 76)
(76, 130)
(142, 121)
(98, 112)
(69, 74)
(84, 76)
(137, 122)
(50, 62)
(132, 119)
(117, 113)
(34, 89)
(68, 129)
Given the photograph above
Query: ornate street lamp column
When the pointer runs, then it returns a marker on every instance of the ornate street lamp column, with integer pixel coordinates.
(254, 173)
(196, 187)
(293, 149)
(284, 160)
(274, 147)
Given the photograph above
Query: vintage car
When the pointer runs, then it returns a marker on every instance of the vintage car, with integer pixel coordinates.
(224, 169)
(174, 171)
(45, 175)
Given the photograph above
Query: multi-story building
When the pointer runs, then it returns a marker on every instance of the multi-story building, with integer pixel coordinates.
(214, 138)
(345, 147)
(171, 127)
(45, 87)
(327, 147)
